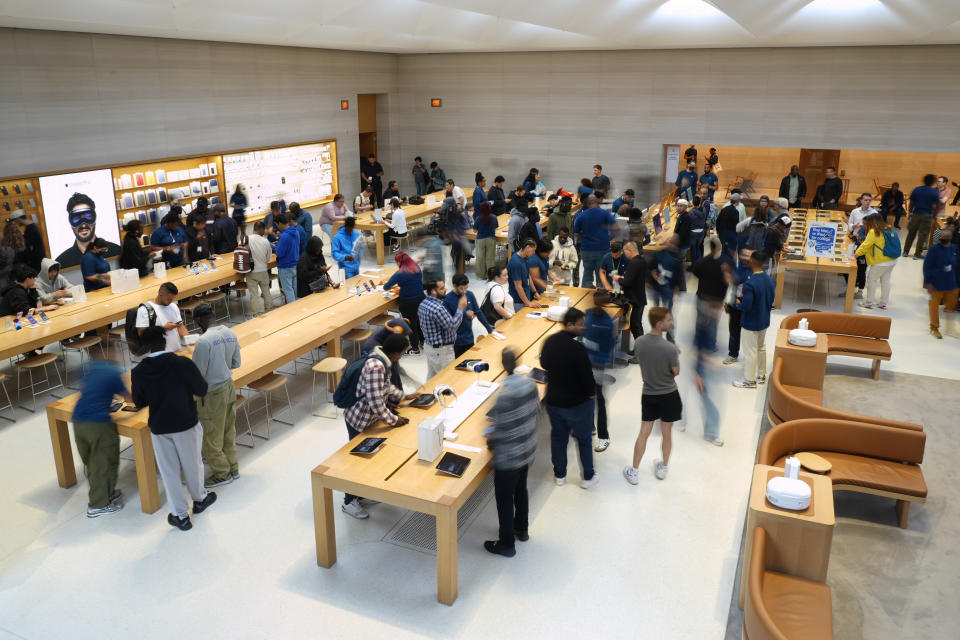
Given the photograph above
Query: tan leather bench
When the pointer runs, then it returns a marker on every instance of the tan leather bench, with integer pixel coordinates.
(849, 334)
(794, 401)
(867, 458)
(782, 607)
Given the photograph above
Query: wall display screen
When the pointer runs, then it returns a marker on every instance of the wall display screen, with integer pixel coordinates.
(92, 214)
(305, 173)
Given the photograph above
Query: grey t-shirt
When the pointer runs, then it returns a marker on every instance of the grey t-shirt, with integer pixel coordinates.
(657, 359)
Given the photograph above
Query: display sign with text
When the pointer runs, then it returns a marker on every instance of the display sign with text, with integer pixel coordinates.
(821, 238)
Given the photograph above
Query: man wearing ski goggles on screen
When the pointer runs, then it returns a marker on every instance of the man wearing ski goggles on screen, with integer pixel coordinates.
(82, 217)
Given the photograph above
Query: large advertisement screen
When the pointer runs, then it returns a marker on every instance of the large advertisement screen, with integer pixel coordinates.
(78, 208)
(305, 173)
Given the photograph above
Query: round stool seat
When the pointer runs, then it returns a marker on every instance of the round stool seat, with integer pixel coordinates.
(357, 335)
(189, 304)
(118, 331)
(239, 286)
(38, 360)
(214, 296)
(82, 343)
(330, 365)
(269, 382)
(381, 319)
(241, 399)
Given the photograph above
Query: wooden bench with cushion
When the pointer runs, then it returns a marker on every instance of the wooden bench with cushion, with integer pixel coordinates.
(782, 607)
(791, 400)
(867, 458)
(849, 334)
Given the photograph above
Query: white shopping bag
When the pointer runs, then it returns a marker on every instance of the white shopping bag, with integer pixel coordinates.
(160, 270)
(77, 293)
(123, 280)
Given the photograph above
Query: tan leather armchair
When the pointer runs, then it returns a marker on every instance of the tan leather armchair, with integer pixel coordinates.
(849, 334)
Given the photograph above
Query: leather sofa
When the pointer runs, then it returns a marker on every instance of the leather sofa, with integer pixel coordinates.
(790, 400)
(849, 334)
(783, 607)
(867, 458)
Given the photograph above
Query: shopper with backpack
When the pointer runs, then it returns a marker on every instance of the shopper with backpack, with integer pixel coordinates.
(163, 312)
(258, 279)
(364, 392)
(881, 248)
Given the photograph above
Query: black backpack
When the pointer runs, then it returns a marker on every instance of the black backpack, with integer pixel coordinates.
(345, 395)
(488, 310)
(136, 347)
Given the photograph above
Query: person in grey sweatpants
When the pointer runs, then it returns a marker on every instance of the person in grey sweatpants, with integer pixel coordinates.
(167, 384)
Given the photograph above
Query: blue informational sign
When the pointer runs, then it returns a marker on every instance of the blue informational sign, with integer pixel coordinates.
(821, 238)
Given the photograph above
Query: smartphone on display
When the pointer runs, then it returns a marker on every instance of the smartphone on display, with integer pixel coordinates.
(212, 266)
(43, 316)
(539, 375)
(33, 321)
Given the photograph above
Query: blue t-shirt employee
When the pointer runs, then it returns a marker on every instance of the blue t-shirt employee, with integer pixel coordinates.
(94, 267)
(170, 239)
(709, 178)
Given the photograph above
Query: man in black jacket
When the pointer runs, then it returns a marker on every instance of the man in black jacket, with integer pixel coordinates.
(571, 391)
(727, 221)
(892, 202)
(634, 286)
(167, 383)
(224, 231)
(830, 191)
(793, 187)
(20, 296)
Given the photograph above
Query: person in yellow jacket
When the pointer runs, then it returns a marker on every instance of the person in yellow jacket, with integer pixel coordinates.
(879, 266)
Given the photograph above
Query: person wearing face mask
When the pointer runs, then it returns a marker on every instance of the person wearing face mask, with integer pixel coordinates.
(94, 267)
(940, 281)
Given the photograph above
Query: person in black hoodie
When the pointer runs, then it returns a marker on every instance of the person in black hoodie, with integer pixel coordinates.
(21, 296)
(634, 286)
(132, 255)
(167, 383)
(310, 266)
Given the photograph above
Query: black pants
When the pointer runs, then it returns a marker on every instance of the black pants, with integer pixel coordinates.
(861, 273)
(352, 433)
(390, 234)
(602, 432)
(898, 213)
(377, 198)
(733, 346)
(513, 505)
(408, 309)
(460, 349)
(576, 270)
(636, 320)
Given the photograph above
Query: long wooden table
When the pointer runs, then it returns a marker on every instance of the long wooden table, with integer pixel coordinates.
(396, 476)
(266, 343)
(104, 307)
(797, 239)
(366, 221)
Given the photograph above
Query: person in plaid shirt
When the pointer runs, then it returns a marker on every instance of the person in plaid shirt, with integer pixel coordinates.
(439, 326)
(373, 391)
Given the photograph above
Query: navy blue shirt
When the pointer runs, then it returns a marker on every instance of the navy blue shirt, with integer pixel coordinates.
(102, 381)
(537, 261)
(485, 230)
(411, 284)
(465, 330)
(598, 336)
(758, 294)
(594, 225)
(940, 267)
(583, 191)
(709, 179)
(691, 177)
(163, 237)
(517, 269)
(611, 266)
(924, 200)
(619, 202)
(601, 183)
(92, 264)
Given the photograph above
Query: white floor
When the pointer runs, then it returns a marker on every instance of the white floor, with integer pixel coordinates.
(652, 561)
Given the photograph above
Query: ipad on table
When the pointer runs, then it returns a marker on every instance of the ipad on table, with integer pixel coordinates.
(453, 464)
(368, 446)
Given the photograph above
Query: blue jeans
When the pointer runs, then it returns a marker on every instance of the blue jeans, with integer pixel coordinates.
(328, 229)
(564, 421)
(696, 246)
(663, 297)
(421, 188)
(288, 282)
(591, 267)
(711, 415)
(708, 316)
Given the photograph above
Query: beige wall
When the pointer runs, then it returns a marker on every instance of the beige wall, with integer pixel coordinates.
(72, 100)
(563, 111)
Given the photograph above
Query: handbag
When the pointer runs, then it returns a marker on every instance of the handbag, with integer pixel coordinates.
(319, 284)
(415, 200)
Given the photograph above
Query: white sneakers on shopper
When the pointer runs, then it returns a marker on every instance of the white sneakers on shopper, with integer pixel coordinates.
(660, 470)
(591, 483)
(602, 445)
(354, 509)
(631, 475)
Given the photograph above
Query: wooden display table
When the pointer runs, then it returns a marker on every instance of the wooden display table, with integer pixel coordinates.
(807, 365)
(798, 541)
(366, 222)
(266, 342)
(658, 241)
(798, 240)
(396, 476)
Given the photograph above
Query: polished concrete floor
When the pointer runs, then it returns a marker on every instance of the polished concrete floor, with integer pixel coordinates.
(658, 560)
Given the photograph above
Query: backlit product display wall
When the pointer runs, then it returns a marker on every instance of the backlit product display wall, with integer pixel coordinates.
(305, 173)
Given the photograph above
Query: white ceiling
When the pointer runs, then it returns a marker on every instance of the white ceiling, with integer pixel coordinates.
(414, 26)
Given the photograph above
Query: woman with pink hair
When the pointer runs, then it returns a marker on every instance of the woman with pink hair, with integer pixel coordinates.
(410, 280)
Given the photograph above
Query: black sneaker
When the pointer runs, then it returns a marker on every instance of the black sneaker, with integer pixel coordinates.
(494, 546)
(198, 507)
(116, 495)
(522, 536)
(183, 523)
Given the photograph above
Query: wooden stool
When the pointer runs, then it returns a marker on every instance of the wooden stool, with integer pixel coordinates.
(187, 305)
(241, 406)
(118, 335)
(357, 337)
(212, 299)
(30, 363)
(9, 405)
(327, 366)
(81, 346)
(380, 320)
(240, 288)
(266, 384)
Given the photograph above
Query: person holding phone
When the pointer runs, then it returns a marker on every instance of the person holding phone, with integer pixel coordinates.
(21, 295)
(166, 316)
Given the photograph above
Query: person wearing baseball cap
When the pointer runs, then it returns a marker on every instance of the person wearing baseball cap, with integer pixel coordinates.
(215, 353)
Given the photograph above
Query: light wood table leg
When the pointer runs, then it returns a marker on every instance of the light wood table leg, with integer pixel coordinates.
(379, 235)
(323, 527)
(62, 451)
(334, 350)
(781, 279)
(146, 471)
(446, 555)
(851, 289)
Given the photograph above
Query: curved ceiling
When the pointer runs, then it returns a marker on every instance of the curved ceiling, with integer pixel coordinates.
(426, 26)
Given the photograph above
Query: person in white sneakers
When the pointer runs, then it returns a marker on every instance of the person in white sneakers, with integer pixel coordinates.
(755, 302)
(659, 366)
